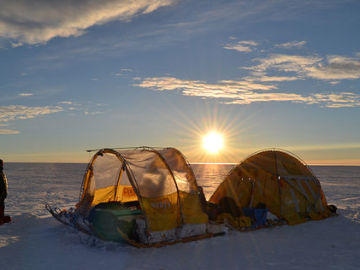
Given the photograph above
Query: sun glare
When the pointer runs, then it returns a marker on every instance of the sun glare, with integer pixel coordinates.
(213, 142)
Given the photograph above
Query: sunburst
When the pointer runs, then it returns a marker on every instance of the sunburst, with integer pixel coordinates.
(213, 142)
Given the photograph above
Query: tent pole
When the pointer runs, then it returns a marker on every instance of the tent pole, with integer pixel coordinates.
(278, 181)
(118, 181)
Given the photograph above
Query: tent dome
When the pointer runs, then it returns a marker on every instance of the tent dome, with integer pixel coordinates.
(278, 180)
(160, 180)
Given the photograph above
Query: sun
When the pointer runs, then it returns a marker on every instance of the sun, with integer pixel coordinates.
(213, 142)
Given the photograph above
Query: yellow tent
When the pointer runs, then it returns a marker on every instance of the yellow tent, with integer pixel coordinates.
(159, 181)
(276, 180)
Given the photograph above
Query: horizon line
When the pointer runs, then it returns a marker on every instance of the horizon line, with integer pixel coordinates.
(191, 163)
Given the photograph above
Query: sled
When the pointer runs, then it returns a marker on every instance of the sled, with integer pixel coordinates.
(72, 219)
(69, 218)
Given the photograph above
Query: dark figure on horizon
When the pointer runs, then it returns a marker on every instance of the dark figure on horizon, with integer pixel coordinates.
(3, 194)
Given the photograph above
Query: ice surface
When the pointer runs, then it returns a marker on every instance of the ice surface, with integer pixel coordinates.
(37, 241)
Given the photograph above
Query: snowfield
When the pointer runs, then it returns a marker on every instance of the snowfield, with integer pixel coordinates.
(35, 240)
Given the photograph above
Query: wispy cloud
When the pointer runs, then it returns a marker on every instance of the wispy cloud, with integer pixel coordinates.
(332, 68)
(8, 131)
(291, 44)
(262, 85)
(244, 92)
(122, 72)
(13, 112)
(225, 87)
(38, 21)
(68, 105)
(93, 113)
(336, 68)
(262, 77)
(66, 102)
(26, 94)
(242, 46)
(287, 63)
(126, 70)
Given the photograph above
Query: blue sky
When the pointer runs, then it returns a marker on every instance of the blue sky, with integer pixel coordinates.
(77, 75)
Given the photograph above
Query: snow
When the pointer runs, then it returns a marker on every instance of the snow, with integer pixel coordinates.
(35, 240)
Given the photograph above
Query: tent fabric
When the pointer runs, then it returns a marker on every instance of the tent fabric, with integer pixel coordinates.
(277, 180)
(161, 181)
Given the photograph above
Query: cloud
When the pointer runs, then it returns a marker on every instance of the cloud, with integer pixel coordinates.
(199, 88)
(337, 100)
(332, 68)
(8, 131)
(259, 86)
(123, 71)
(245, 92)
(287, 63)
(25, 94)
(68, 105)
(93, 113)
(126, 70)
(38, 21)
(262, 77)
(242, 46)
(13, 112)
(266, 97)
(291, 44)
(4, 131)
(336, 68)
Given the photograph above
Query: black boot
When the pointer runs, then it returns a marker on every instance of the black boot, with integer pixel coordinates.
(2, 215)
(4, 219)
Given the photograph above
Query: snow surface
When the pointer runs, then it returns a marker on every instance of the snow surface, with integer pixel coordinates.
(35, 240)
